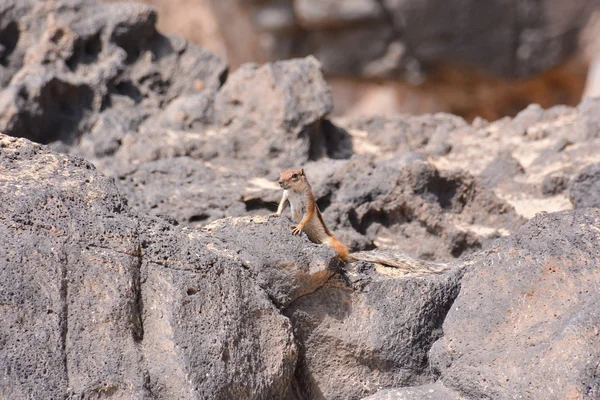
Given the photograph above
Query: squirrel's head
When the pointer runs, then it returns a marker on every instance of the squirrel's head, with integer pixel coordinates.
(293, 179)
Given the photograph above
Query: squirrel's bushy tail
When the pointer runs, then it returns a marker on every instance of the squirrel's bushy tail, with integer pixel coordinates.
(397, 259)
(388, 258)
(339, 247)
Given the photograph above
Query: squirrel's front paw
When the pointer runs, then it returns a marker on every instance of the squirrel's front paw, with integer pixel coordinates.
(275, 215)
(296, 230)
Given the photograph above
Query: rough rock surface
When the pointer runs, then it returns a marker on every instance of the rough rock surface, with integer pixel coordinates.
(71, 67)
(369, 328)
(289, 269)
(70, 279)
(197, 163)
(526, 319)
(283, 103)
(170, 300)
(183, 188)
(538, 143)
(432, 391)
(382, 203)
(157, 310)
(210, 331)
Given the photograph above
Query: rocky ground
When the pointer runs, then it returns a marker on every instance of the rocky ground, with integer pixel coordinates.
(138, 261)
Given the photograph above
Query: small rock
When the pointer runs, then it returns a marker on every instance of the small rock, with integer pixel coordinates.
(503, 168)
(585, 189)
(554, 184)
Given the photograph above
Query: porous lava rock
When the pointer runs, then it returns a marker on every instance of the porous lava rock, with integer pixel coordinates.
(526, 319)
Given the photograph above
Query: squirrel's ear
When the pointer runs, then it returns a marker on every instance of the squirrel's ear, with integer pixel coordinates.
(302, 172)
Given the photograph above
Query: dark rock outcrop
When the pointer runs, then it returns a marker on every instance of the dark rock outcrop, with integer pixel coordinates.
(369, 328)
(504, 167)
(528, 161)
(387, 201)
(274, 112)
(526, 319)
(70, 279)
(183, 188)
(217, 145)
(97, 301)
(554, 184)
(210, 331)
(71, 67)
(168, 311)
(286, 268)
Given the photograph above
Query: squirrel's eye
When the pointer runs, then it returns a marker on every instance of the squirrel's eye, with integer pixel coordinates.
(294, 176)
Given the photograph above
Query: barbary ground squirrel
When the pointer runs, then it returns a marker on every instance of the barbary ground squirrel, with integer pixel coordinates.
(307, 216)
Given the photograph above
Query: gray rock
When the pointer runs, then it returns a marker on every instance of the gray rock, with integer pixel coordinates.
(169, 311)
(585, 188)
(526, 319)
(105, 137)
(423, 23)
(210, 331)
(503, 168)
(274, 112)
(370, 330)
(189, 190)
(524, 119)
(191, 112)
(96, 300)
(280, 125)
(70, 279)
(286, 267)
(398, 134)
(336, 50)
(432, 391)
(413, 207)
(554, 184)
(77, 66)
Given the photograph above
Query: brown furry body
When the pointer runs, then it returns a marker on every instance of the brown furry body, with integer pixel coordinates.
(305, 212)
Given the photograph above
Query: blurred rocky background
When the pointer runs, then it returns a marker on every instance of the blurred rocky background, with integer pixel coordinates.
(470, 58)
